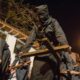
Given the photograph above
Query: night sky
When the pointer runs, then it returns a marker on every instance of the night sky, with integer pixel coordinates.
(67, 12)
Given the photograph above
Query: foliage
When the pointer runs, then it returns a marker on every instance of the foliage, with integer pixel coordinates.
(20, 15)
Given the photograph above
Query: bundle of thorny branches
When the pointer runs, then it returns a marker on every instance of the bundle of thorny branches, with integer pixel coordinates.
(21, 16)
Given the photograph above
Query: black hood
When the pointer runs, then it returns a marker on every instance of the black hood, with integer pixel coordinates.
(43, 12)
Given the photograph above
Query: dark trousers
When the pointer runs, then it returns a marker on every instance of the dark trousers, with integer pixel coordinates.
(44, 69)
(21, 74)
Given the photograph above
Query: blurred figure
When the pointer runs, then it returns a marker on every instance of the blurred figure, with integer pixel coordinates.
(4, 59)
(21, 72)
(47, 67)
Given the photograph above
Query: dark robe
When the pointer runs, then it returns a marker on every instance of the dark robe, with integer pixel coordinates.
(5, 57)
(46, 67)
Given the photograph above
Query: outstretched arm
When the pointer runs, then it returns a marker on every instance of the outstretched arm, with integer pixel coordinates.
(30, 40)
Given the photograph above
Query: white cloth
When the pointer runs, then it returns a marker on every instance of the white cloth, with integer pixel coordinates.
(11, 41)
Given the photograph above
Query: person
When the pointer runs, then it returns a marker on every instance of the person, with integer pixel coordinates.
(46, 67)
(21, 72)
(5, 59)
(54, 32)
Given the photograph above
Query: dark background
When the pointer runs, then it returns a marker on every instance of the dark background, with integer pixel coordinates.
(67, 12)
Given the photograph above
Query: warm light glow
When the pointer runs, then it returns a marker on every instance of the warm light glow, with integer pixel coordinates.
(77, 39)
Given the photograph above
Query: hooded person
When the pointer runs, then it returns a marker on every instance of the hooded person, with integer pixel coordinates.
(47, 67)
